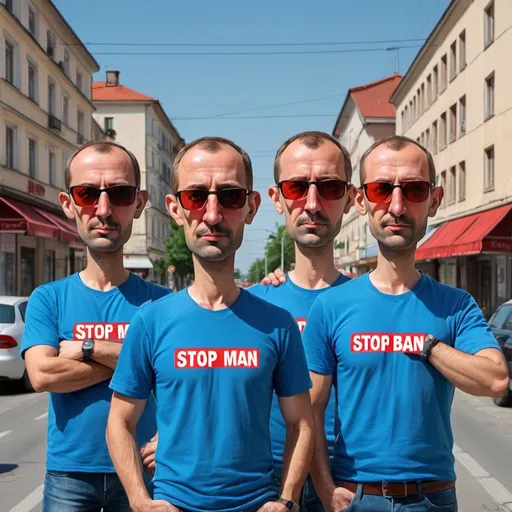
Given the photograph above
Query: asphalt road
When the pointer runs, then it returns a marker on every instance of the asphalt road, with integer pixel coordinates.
(483, 437)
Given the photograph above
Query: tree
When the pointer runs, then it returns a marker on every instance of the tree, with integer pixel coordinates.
(273, 250)
(238, 274)
(256, 271)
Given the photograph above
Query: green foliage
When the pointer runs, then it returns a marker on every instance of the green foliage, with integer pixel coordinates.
(256, 271)
(177, 253)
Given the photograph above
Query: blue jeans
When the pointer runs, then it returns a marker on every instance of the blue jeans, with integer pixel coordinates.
(310, 502)
(84, 492)
(445, 501)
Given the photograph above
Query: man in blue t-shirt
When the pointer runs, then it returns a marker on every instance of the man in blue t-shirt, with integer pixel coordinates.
(75, 327)
(312, 172)
(213, 355)
(399, 343)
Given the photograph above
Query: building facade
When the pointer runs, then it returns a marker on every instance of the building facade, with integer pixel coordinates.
(455, 100)
(140, 123)
(366, 116)
(45, 114)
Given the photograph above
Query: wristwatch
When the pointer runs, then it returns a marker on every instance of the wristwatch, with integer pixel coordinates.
(87, 349)
(290, 505)
(430, 342)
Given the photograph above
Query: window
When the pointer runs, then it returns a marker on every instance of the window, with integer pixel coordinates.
(32, 158)
(489, 24)
(32, 81)
(434, 137)
(502, 317)
(108, 123)
(51, 97)
(65, 110)
(10, 147)
(462, 116)
(50, 44)
(79, 80)
(462, 50)
(402, 116)
(443, 184)
(453, 60)
(49, 266)
(9, 62)
(32, 20)
(435, 84)
(444, 69)
(422, 101)
(52, 167)
(427, 139)
(429, 90)
(451, 185)
(442, 133)
(66, 62)
(453, 122)
(9, 6)
(489, 96)
(406, 125)
(80, 123)
(489, 169)
(462, 181)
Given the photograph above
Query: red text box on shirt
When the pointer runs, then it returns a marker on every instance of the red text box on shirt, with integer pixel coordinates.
(100, 331)
(216, 358)
(405, 342)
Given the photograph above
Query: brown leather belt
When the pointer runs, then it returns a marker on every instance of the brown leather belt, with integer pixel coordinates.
(398, 489)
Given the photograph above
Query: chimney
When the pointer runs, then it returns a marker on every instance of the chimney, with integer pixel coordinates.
(112, 78)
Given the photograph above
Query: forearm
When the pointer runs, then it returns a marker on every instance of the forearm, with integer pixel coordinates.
(298, 451)
(61, 375)
(106, 353)
(474, 374)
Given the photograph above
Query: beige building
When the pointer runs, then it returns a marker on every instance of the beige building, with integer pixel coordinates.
(140, 123)
(366, 115)
(456, 100)
(45, 113)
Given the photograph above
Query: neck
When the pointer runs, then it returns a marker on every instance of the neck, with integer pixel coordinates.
(396, 271)
(214, 285)
(314, 266)
(104, 270)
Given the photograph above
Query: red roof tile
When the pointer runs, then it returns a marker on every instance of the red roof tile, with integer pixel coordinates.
(100, 92)
(372, 99)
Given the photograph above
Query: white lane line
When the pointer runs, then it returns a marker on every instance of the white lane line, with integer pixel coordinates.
(41, 416)
(30, 501)
(5, 409)
(498, 492)
(3, 434)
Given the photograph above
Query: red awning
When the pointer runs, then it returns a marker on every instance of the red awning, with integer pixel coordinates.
(17, 217)
(67, 230)
(489, 231)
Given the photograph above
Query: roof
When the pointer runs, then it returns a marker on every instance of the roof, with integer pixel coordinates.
(372, 100)
(102, 92)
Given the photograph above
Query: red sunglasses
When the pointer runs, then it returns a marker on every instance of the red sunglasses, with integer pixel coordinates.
(331, 190)
(229, 198)
(381, 191)
(120, 195)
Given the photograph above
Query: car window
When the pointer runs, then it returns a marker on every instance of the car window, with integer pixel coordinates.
(6, 314)
(500, 317)
(23, 308)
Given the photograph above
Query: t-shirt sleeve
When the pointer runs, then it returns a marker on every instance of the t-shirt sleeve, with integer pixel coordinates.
(317, 343)
(472, 331)
(41, 323)
(134, 375)
(291, 375)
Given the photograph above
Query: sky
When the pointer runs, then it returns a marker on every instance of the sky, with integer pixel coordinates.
(273, 96)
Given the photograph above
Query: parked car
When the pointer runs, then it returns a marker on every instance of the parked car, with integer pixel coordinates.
(501, 326)
(12, 324)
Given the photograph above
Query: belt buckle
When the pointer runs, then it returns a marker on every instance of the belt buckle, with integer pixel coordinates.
(385, 490)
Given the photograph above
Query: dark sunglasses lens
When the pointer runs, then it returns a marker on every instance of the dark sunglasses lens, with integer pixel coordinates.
(232, 198)
(294, 189)
(331, 189)
(85, 196)
(193, 199)
(122, 196)
(377, 192)
(416, 191)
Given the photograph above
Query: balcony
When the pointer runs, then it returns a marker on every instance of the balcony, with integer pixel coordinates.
(54, 123)
(80, 139)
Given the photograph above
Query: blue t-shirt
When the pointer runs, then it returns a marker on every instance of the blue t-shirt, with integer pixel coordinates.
(213, 374)
(298, 302)
(394, 409)
(67, 309)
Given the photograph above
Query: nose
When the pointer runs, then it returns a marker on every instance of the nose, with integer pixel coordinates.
(212, 214)
(312, 199)
(397, 203)
(103, 207)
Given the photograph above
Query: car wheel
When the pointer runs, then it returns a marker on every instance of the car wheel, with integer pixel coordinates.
(504, 401)
(25, 382)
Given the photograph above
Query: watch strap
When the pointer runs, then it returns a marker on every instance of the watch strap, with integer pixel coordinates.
(290, 505)
(430, 342)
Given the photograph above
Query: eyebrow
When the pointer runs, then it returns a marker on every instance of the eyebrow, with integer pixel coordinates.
(90, 184)
(221, 186)
(322, 178)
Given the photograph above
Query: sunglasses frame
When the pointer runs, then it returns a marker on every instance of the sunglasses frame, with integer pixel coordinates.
(313, 182)
(215, 193)
(431, 186)
(100, 191)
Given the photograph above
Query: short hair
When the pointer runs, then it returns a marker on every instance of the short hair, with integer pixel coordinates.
(396, 143)
(313, 140)
(211, 145)
(102, 146)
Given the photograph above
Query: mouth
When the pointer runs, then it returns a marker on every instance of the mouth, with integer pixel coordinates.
(104, 230)
(311, 225)
(397, 227)
(212, 237)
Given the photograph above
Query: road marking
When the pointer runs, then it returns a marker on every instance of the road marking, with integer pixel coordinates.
(30, 501)
(498, 492)
(5, 409)
(3, 434)
(41, 416)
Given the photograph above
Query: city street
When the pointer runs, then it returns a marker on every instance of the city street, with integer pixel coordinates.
(483, 437)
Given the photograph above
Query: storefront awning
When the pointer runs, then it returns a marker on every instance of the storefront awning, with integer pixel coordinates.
(137, 262)
(67, 230)
(17, 217)
(489, 231)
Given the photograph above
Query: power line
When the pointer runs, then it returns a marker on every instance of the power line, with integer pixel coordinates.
(277, 116)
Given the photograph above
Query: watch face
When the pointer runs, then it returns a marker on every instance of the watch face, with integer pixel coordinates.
(87, 344)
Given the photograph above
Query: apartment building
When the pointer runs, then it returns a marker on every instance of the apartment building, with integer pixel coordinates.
(366, 116)
(140, 123)
(455, 100)
(45, 114)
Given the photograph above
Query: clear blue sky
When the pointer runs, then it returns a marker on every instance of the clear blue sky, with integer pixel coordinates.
(208, 85)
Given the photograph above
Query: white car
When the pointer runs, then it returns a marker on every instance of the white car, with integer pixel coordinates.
(12, 324)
